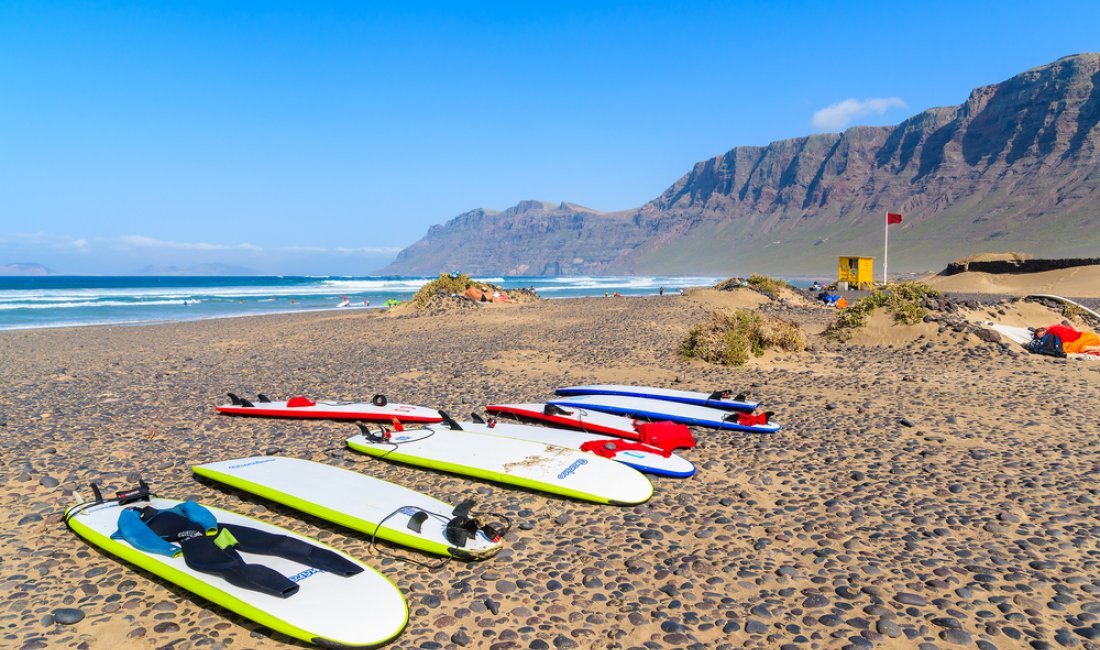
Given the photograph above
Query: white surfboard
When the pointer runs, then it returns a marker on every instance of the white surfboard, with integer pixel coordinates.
(547, 468)
(378, 410)
(1022, 335)
(362, 610)
(357, 501)
(724, 399)
(641, 460)
(656, 409)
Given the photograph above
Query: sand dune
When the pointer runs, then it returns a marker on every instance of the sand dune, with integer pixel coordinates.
(1078, 282)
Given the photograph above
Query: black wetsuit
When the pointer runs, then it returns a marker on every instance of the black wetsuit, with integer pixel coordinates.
(215, 550)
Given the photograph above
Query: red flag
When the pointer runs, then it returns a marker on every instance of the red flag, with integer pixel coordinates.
(892, 218)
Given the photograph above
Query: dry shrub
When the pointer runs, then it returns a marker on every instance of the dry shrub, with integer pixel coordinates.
(730, 339)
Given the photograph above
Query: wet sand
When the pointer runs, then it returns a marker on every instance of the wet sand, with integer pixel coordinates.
(928, 487)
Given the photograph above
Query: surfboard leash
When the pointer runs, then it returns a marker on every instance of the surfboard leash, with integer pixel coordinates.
(431, 566)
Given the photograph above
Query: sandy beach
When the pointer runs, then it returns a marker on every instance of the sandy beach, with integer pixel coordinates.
(928, 489)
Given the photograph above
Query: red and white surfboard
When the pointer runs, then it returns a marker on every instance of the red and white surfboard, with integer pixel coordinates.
(379, 409)
(599, 422)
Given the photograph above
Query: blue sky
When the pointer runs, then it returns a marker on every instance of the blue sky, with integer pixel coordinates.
(321, 137)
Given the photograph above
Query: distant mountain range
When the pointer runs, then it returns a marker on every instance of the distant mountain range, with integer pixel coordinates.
(1015, 167)
(24, 268)
(195, 269)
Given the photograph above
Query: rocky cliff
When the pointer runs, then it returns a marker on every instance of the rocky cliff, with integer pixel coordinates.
(1016, 166)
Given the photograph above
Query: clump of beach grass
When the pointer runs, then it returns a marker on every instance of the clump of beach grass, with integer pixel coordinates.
(732, 339)
(905, 301)
(451, 288)
(768, 286)
(447, 284)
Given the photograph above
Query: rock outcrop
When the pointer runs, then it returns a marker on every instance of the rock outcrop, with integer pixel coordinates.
(1017, 165)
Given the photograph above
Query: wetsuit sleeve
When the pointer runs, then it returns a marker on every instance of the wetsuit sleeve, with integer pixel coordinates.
(199, 515)
(135, 531)
(251, 540)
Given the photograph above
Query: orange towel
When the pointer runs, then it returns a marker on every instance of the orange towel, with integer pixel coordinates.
(1086, 339)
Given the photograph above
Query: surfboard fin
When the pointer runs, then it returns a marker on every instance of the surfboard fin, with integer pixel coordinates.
(263, 398)
(477, 418)
(247, 404)
(450, 422)
(417, 520)
(463, 508)
(234, 399)
(554, 409)
(381, 436)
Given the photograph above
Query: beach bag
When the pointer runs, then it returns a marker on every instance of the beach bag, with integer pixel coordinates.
(1049, 345)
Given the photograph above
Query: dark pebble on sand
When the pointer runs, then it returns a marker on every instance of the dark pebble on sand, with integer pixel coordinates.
(460, 638)
(956, 636)
(649, 533)
(48, 481)
(562, 519)
(562, 642)
(68, 615)
(910, 599)
(815, 600)
(1065, 638)
(492, 605)
(888, 627)
(30, 519)
(539, 644)
(754, 626)
(166, 627)
(905, 422)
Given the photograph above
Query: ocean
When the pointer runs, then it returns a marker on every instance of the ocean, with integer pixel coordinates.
(62, 301)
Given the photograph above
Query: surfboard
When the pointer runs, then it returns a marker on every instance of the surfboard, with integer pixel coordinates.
(727, 400)
(1022, 335)
(656, 409)
(532, 465)
(363, 610)
(353, 500)
(611, 447)
(1065, 301)
(378, 409)
(573, 418)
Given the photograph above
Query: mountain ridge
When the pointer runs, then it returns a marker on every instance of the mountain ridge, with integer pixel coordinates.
(1016, 165)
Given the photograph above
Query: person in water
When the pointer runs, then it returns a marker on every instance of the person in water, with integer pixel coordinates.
(1073, 341)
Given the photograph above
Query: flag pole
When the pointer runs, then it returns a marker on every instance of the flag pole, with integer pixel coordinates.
(886, 248)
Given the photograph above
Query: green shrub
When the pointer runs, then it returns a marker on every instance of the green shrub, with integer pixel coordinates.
(904, 300)
(447, 285)
(730, 339)
(767, 286)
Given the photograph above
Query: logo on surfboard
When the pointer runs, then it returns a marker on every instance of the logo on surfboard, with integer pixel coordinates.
(572, 468)
(298, 577)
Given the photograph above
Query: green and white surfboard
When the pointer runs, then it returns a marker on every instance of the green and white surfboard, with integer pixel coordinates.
(359, 611)
(533, 465)
(363, 503)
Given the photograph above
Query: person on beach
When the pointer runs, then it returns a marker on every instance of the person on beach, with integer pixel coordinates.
(1073, 341)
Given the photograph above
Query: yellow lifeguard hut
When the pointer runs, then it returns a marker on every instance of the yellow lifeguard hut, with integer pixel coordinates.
(855, 271)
